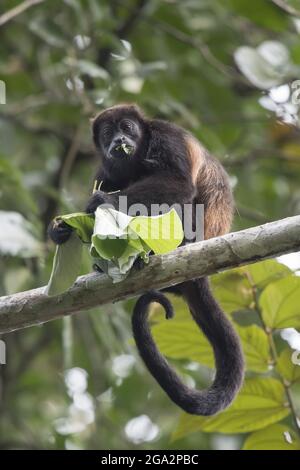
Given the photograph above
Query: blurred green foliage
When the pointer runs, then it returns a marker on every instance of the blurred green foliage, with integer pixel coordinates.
(223, 70)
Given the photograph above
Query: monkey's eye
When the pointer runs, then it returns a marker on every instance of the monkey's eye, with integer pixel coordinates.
(127, 126)
(106, 133)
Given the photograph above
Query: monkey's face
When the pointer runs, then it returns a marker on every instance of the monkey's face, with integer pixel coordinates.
(120, 139)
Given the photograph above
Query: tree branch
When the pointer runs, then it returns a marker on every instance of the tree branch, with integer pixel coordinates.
(287, 8)
(33, 307)
(11, 14)
(200, 46)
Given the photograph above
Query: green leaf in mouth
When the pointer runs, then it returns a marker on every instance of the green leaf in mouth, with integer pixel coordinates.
(125, 148)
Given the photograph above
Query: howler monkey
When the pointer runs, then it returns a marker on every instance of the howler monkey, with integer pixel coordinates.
(155, 162)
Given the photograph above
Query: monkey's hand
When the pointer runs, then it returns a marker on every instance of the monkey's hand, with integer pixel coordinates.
(97, 199)
(139, 264)
(59, 231)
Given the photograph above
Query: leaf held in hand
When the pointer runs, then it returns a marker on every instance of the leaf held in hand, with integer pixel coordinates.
(66, 266)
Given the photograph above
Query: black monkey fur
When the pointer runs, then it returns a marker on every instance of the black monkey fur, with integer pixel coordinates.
(168, 165)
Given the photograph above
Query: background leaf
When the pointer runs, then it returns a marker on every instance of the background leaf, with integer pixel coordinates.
(232, 290)
(280, 303)
(16, 238)
(255, 347)
(179, 339)
(261, 402)
(183, 340)
(266, 271)
(274, 437)
(286, 368)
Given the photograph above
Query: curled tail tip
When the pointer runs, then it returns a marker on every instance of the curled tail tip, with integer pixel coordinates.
(141, 307)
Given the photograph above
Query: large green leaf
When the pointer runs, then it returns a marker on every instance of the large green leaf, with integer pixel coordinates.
(117, 240)
(162, 233)
(256, 348)
(260, 403)
(120, 239)
(233, 288)
(183, 340)
(114, 244)
(233, 291)
(280, 302)
(266, 271)
(274, 437)
(66, 266)
(286, 368)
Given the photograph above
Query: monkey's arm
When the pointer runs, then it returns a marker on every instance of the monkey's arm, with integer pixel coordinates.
(163, 188)
(58, 230)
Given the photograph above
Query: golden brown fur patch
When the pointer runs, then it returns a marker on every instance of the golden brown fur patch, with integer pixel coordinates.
(196, 155)
(213, 190)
